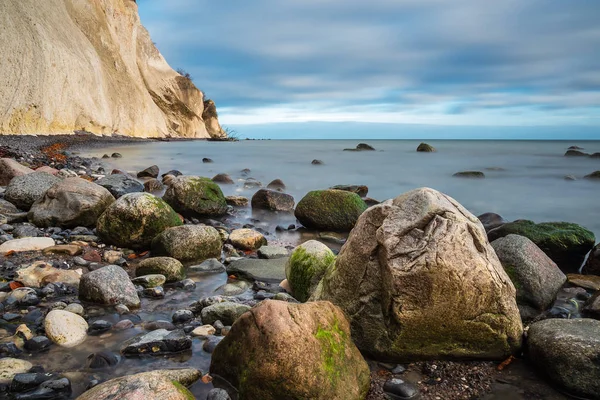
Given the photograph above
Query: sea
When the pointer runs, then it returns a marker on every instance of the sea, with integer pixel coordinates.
(523, 179)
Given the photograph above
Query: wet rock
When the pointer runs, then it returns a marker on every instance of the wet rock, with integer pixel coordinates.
(567, 350)
(491, 221)
(247, 239)
(361, 147)
(160, 324)
(70, 203)
(160, 341)
(28, 381)
(10, 169)
(207, 160)
(592, 266)
(119, 185)
(330, 210)
(150, 281)
(153, 185)
(272, 271)
(218, 394)
(203, 331)
(182, 316)
(235, 288)
(272, 252)
(40, 273)
(64, 328)
(360, 190)
(565, 243)
(26, 244)
(210, 265)
(535, 276)
(575, 153)
(306, 266)
(9, 367)
(160, 384)
(211, 343)
(593, 176)
(272, 200)
(226, 312)
(309, 333)
(187, 284)
(157, 292)
(426, 148)
(169, 267)
(123, 325)
(75, 309)
(333, 237)
(276, 184)
(25, 190)
(117, 155)
(397, 389)
(109, 285)
(252, 183)
(135, 219)
(317, 162)
(470, 174)
(102, 359)
(100, 326)
(37, 343)
(188, 243)
(434, 252)
(237, 201)
(223, 178)
(150, 172)
(196, 196)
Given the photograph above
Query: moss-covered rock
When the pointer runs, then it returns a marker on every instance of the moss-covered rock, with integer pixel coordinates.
(306, 266)
(196, 196)
(280, 350)
(565, 243)
(135, 219)
(189, 243)
(170, 268)
(330, 210)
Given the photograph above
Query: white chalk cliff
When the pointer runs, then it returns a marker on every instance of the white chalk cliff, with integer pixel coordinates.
(90, 65)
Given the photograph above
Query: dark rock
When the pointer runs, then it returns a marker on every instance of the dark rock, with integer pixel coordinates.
(276, 184)
(237, 201)
(37, 343)
(575, 153)
(364, 146)
(116, 155)
(119, 185)
(100, 326)
(160, 324)
(26, 230)
(425, 148)
(102, 359)
(397, 389)
(227, 312)
(30, 380)
(218, 394)
(153, 185)
(157, 292)
(593, 176)
(173, 172)
(317, 162)
(182, 316)
(157, 342)
(575, 148)
(207, 160)
(150, 172)
(272, 200)
(223, 178)
(592, 266)
(470, 174)
(595, 155)
(491, 221)
(360, 190)
(211, 343)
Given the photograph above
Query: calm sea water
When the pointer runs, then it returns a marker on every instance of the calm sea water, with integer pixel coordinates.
(524, 179)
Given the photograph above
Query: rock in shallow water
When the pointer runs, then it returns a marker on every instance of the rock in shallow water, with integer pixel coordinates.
(306, 266)
(193, 196)
(188, 243)
(226, 312)
(170, 268)
(109, 285)
(160, 341)
(272, 200)
(65, 328)
(247, 239)
(9, 367)
(330, 210)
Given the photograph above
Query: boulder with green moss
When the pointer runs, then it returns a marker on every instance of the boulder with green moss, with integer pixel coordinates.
(172, 269)
(188, 243)
(280, 350)
(306, 266)
(135, 219)
(160, 384)
(330, 210)
(419, 280)
(565, 243)
(196, 196)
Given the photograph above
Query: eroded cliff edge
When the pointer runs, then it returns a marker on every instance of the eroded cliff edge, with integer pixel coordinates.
(90, 65)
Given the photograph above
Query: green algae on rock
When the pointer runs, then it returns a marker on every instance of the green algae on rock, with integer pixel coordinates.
(135, 219)
(170, 268)
(280, 350)
(196, 196)
(306, 266)
(188, 243)
(565, 243)
(330, 210)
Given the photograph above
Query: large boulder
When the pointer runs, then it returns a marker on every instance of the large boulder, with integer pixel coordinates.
(70, 203)
(330, 210)
(188, 243)
(306, 266)
(567, 350)
(119, 185)
(565, 243)
(280, 350)
(592, 266)
(419, 280)
(167, 384)
(196, 196)
(25, 190)
(535, 276)
(170, 268)
(9, 169)
(272, 200)
(109, 285)
(135, 219)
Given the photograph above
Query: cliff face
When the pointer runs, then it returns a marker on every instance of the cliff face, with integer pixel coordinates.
(90, 65)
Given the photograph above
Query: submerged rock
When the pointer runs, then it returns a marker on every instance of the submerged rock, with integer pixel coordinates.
(119, 185)
(196, 196)
(330, 210)
(25, 190)
(361, 147)
(168, 384)
(594, 175)
(70, 203)
(272, 200)
(170, 268)
(434, 284)
(470, 174)
(188, 243)
(65, 328)
(305, 352)
(575, 153)
(565, 243)
(306, 266)
(109, 285)
(272, 271)
(135, 219)
(223, 178)
(276, 184)
(567, 351)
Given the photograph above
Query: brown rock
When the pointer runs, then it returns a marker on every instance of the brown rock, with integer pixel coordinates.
(153, 185)
(276, 184)
(47, 169)
(10, 168)
(591, 282)
(223, 178)
(69, 249)
(247, 239)
(92, 256)
(592, 265)
(237, 201)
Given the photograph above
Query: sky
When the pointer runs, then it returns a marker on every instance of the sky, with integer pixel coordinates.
(390, 68)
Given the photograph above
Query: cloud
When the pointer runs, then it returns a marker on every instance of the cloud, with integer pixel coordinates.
(428, 61)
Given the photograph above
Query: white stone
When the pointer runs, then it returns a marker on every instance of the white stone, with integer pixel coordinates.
(65, 328)
(26, 244)
(9, 367)
(203, 331)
